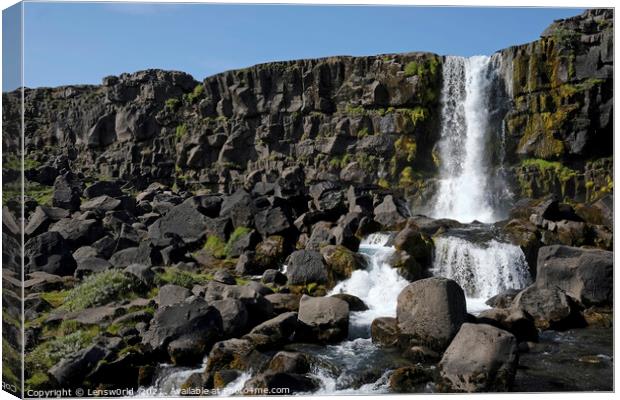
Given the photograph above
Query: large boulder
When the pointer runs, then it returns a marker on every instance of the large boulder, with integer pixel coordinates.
(42, 218)
(514, 321)
(341, 262)
(234, 316)
(322, 319)
(101, 188)
(240, 208)
(431, 311)
(186, 330)
(550, 308)
(66, 194)
(72, 370)
(183, 221)
(481, 358)
(49, 252)
(275, 331)
(272, 221)
(78, 232)
(306, 266)
(101, 204)
(392, 213)
(584, 274)
(412, 241)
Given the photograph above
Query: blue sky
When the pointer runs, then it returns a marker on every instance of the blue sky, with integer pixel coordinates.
(81, 43)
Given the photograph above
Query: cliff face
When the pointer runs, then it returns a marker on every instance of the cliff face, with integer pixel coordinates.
(365, 120)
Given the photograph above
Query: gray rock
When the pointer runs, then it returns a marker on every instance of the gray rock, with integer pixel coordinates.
(73, 369)
(101, 188)
(90, 265)
(183, 221)
(78, 232)
(481, 358)
(41, 219)
(240, 208)
(49, 252)
(322, 319)
(306, 266)
(272, 221)
(431, 311)
(172, 294)
(101, 204)
(550, 308)
(392, 213)
(234, 314)
(584, 274)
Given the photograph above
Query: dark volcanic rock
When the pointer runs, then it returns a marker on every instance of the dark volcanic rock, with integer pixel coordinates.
(49, 252)
(304, 266)
(183, 221)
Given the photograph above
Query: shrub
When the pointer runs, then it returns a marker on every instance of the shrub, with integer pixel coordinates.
(178, 277)
(196, 94)
(100, 289)
(173, 104)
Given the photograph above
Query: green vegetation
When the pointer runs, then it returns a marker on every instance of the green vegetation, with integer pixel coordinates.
(50, 352)
(234, 237)
(99, 289)
(56, 298)
(356, 111)
(562, 172)
(221, 249)
(173, 104)
(181, 131)
(196, 94)
(178, 277)
(362, 133)
(14, 162)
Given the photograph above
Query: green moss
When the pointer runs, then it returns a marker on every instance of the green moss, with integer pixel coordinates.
(178, 277)
(215, 246)
(99, 289)
(14, 162)
(55, 298)
(362, 133)
(173, 104)
(37, 380)
(562, 172)
(234, 237)
(196, 94)
(407, 177)
(180, 132)
(355, 110)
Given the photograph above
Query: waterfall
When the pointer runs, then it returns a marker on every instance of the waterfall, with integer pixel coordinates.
(378, 286)
(468, 188)
(481, 269)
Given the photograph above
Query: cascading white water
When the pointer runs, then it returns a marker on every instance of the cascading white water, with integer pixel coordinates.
(465, 115)
(482, 270)
(378, 286)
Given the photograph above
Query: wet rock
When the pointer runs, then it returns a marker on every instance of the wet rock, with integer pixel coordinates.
(414, 242)
(291, 362)
(514, 321)
(481, 358)
(384, 331)
(275, 331)
(431, 311)
(283, 302)
(584, 274)
(550, 308)
(354, 302)
(306, 266)
(274, 276)
(277, 382)
(408, 379)
(341, 262)
(322, 319)
(503, 300)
